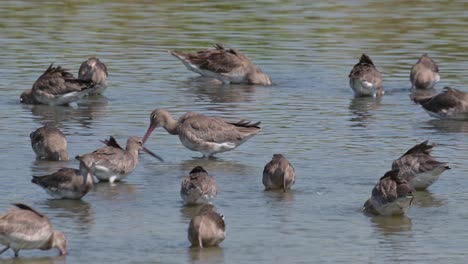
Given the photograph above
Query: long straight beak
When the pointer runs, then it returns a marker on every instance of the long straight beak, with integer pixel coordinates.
(148, 133)
(152, 153)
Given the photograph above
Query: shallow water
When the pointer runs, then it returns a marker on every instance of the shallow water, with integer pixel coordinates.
(339, 145)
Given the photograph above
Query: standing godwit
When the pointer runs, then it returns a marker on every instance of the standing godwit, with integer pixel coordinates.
(278, 173)
(365, 79)
(48, 142)
(56, 86)
(67, 183)
(113, 163)
(206, 228)
(96, 71)
(425, 73)
(198, 187)
(418, 167)
(392, 195)
(226, 65)
(208, 135)
(25, 228)
(450, 104)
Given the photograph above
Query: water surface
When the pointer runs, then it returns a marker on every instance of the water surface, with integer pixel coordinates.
(339, 145)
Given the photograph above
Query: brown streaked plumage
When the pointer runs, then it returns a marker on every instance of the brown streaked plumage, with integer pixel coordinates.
(225, 64)
(449, 104)
(365, 79)
(112, 163)
(208, 135)
(392, 195)
(198, 187)
(418, 167)
(24, 228)
(96, 71)
(67, 183)
(278, 173)
(207, 228)
(56, 86)
(425, 73)
(48, 142)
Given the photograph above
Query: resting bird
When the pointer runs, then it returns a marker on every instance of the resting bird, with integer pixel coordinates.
(197, 132)
(56, 86)
(67, 183)
(278, 173)
(392, 195)
(450, 104)
(96, 71)
(198, 187)
(48, 142)
(425, 73)
(365, 79)
(25, 228)
(206, 228)
(418, 167)
(226, 65)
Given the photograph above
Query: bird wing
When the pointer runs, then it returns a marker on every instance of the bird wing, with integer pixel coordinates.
(210, 129)
(416, 163)
(58, 81)
(421, 148)
(450, 99)
(24, 224)
(109, 157)
(59, 179)
(219, 60)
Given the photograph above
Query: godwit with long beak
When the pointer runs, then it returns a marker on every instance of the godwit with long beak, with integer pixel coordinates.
(197, 132)
(365, 79)
(418, 167)
(113, 163)
(278, 173)
(67, 183)
(207, 228)
(425, 73)
(56, 86)
(96, 71)
(198, 187)
(25, 228)
(450, 104)
(392, 195)
(226, 65)
(48, 142)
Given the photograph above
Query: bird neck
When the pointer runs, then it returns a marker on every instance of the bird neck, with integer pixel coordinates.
(171, 125)
(48, 244)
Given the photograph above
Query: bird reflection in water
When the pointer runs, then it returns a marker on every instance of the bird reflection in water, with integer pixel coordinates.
(426, 199)
(279, 195)
(77, 210)
(361, 108)
(35, 260)
(188, 212)
(216, 165)
(214, 90)
(207, 255)
(422, 93)
(116, 193)
(391, 225)
(87, 110)
(42, 167)
(447, 126)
